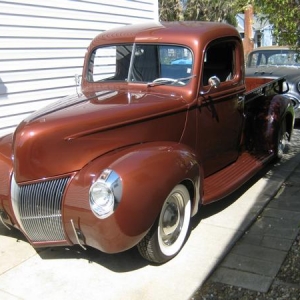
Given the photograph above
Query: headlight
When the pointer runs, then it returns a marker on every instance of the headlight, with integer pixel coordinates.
(105, 194)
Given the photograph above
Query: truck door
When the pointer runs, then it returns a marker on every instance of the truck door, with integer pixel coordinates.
(220, 109)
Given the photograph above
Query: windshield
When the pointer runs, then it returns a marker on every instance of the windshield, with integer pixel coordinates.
(141, 63)
(273, 58)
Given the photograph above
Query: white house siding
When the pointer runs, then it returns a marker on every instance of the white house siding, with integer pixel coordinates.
(42, 45)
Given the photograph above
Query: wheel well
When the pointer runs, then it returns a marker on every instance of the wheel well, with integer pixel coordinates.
(191, 189)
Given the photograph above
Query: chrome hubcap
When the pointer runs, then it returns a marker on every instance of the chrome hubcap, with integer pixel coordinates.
(282, 142)
(171, 219)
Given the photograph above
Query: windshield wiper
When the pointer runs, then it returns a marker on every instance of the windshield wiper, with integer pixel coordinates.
(162, 81)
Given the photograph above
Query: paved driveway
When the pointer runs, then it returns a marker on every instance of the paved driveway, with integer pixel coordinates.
(72, 273)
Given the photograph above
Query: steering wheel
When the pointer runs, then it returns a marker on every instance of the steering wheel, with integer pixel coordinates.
(168, 79)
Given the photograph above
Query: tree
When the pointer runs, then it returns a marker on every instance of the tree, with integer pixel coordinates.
(210, 10)
(198, 10)
(170, 10)
(286, 22)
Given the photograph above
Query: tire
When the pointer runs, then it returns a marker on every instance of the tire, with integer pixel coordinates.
(282, 141)
(171, 229)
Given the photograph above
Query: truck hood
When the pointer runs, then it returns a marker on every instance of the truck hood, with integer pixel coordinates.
(63, 137)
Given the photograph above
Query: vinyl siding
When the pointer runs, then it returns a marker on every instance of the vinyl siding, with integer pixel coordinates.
(42, 45)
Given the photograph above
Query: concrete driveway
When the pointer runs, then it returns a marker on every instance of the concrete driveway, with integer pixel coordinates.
(72, 273)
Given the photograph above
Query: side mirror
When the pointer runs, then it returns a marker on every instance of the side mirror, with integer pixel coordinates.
(214, 82)
(77, 82)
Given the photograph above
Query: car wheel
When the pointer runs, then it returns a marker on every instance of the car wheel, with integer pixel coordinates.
(168, 234)
(282, 141)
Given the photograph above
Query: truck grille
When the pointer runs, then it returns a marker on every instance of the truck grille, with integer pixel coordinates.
(37, 207)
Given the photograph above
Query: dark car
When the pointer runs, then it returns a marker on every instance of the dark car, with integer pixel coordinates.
(274, 62)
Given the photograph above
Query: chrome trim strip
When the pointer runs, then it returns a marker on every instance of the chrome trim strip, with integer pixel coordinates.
(3, 222)
(14, 192)
(77, 239)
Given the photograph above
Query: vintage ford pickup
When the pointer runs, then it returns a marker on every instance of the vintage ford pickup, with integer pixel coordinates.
(165, 122)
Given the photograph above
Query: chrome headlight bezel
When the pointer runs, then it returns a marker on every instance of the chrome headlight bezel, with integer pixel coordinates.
(105, 194)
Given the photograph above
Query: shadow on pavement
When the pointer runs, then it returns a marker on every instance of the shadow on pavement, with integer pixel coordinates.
(12, 232)
(123, 262)
(127, 261)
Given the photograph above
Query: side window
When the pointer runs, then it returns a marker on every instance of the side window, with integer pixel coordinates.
(219, 61)
(262, 60)
(110, 63)
(253, 60)
(102, 63)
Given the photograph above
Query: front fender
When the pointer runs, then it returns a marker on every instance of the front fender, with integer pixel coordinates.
(148, 173)
(6, 169)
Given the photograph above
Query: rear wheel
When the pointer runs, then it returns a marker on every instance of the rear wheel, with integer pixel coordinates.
(282, 140)
(168, 234)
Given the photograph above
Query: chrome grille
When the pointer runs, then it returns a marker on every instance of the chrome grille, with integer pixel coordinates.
(38, 209)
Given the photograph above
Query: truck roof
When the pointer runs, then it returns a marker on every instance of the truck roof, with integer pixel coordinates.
(185, 32)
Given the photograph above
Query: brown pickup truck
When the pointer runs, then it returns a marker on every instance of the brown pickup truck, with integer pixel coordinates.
(165, 122)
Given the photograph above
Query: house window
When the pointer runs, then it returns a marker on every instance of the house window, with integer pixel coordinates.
(258, 40)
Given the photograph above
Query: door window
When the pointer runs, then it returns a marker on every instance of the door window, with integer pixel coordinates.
(219, 61)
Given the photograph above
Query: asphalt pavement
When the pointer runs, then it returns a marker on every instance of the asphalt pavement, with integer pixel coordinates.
(240, 240)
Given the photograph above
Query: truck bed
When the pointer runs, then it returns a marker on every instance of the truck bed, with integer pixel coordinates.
(256, 87)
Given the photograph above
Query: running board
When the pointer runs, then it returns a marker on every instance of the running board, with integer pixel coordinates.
(229, 179)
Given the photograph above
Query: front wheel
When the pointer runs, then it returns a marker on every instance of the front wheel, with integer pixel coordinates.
(168, 234)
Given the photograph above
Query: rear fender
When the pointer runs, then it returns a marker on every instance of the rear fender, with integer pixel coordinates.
(270, 112)
(280, 110)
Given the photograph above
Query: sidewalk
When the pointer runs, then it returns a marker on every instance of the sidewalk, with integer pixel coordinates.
(255, 260)
(250, 269)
